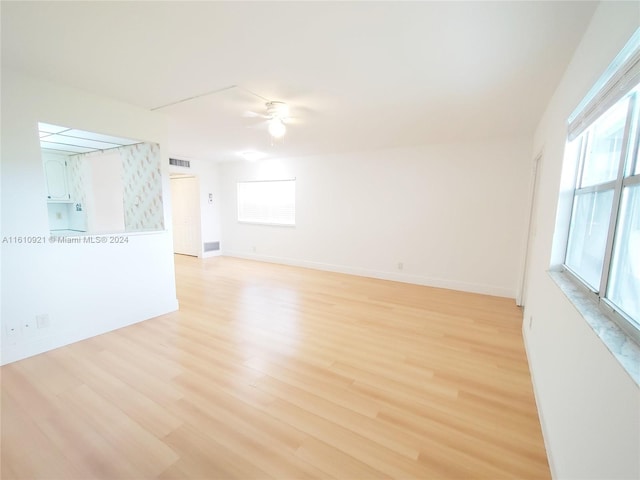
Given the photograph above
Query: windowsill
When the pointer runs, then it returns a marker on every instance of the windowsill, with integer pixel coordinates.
(621, 345)
(267, 224)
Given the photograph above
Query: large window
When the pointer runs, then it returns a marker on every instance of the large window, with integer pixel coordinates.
(271, 202)
(603, 247)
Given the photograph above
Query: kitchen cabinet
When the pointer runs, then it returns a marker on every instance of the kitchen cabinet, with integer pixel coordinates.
(55, 171)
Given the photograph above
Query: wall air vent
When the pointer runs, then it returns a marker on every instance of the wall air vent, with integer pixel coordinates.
(180, 163)
(211, 246)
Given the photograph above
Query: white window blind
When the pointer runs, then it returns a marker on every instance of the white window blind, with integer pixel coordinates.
(271, 202)
(620, 77)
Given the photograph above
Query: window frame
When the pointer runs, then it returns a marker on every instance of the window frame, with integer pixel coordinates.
(627, 164)
(265, 221)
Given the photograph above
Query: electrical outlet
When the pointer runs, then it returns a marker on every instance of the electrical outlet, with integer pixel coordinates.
(13, 334)
(254, 249)
(400, 265)
(58, 216)
(530, 321)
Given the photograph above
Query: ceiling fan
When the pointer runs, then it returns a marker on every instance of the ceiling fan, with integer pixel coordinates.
(277, 115)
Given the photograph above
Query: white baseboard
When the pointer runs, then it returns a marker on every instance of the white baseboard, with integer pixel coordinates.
(53, 338)
(383, 275)
(536, 397)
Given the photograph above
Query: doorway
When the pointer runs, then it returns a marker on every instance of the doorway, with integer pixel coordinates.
(185, 210)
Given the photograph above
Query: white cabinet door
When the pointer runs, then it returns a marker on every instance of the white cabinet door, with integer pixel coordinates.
(55, 171)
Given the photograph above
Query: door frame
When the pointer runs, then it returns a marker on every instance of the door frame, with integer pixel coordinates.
(533, 193)
(198, 215)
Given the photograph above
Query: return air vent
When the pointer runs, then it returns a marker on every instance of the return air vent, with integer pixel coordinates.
(211, 246)
(180, 163)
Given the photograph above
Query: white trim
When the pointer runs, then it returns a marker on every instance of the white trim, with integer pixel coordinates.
(533, 183)
(262, 205)
(616, 81)
(64, 336)
(382, 275)
(536, 397)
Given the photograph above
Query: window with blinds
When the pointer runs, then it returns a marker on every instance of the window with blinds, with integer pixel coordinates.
(269, 202)
(603, 247)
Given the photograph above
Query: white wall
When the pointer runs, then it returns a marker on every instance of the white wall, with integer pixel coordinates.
(453, 215)
(589, 406)
(85, 289)
(207, 173)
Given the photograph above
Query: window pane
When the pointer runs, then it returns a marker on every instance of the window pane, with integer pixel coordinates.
(588, 235)
(624, 281)
(271, 202)
(603, 152)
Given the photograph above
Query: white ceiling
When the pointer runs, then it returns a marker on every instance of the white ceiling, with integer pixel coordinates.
(357, 75)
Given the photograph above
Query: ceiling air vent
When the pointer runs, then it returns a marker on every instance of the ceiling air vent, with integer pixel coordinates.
(180, 163)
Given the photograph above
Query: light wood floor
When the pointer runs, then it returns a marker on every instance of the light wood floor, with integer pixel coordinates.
(269, 371)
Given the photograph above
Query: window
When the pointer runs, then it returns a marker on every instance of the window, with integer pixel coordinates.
(603, 247)
(271, 202)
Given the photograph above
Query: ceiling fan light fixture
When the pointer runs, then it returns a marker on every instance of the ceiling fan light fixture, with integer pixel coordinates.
(277, 128)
